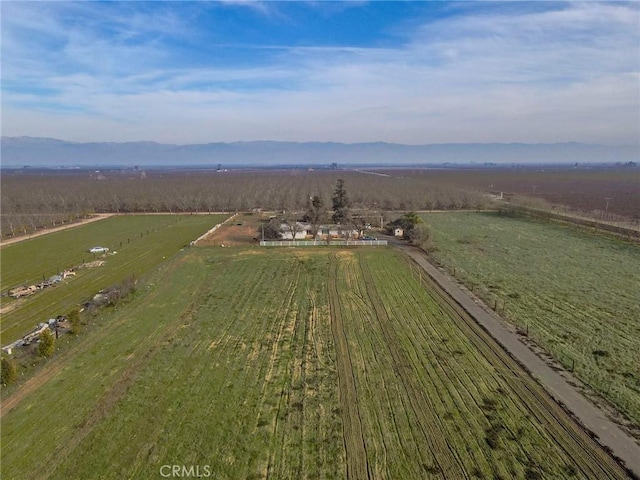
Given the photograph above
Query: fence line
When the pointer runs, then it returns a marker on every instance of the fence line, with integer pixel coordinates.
(211, 230)
(317, 243)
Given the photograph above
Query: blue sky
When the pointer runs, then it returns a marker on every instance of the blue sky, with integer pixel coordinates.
(405, 72)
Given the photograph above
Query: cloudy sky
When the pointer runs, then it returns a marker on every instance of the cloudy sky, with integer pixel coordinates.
(405, 72)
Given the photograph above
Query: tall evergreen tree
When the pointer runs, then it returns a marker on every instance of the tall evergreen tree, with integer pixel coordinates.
(315, 213)
(340, 203)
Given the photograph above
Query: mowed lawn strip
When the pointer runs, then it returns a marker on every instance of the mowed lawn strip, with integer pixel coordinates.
(140, 251)
(575, 293)
(228, 361)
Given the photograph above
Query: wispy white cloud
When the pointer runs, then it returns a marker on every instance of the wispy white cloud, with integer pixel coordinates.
(256, 5)
(568, 73)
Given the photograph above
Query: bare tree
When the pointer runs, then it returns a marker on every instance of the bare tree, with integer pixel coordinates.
(315, 214)
(363, 220)
(290, 219)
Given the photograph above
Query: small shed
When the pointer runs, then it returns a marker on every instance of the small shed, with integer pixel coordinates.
(398, 232)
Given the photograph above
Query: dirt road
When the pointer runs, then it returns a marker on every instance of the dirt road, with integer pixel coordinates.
(94, 218)
(594, 419)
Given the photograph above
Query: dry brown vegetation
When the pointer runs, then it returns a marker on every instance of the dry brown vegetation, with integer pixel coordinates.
(35, 199)
(581, 189)
(30, 201)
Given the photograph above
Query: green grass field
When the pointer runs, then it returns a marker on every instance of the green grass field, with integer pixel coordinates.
(578, 294)
(142, 241)
(290, 364)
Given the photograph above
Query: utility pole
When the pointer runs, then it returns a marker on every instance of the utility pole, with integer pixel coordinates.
(534, 189)
(606, 208)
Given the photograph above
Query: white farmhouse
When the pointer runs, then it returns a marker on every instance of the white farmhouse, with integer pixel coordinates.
(305, 231)
(301, 230)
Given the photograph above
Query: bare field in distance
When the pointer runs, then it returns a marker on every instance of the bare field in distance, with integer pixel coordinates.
(581, 189)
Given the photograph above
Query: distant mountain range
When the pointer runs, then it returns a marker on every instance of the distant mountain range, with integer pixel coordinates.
(49, 152)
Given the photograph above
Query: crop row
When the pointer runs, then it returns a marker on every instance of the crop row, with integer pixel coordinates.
(290, 364)
(469, 412)
(242, 381)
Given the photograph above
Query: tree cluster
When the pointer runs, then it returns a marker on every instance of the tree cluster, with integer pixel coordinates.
(111, 296)
(29, 201)
(414, 229)
(407, 222)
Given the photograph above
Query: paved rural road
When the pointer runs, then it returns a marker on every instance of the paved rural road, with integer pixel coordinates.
(609, 434)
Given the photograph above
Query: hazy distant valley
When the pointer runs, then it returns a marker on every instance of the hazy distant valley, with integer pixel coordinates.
(48, 152)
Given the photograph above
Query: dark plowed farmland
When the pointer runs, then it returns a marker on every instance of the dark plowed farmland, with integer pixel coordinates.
(293, 364)
(583, 189)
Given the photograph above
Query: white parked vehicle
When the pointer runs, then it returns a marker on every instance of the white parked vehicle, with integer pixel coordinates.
(98, 250)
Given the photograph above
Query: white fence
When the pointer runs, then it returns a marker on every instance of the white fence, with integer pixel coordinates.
(211, 230)
(317, 243)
